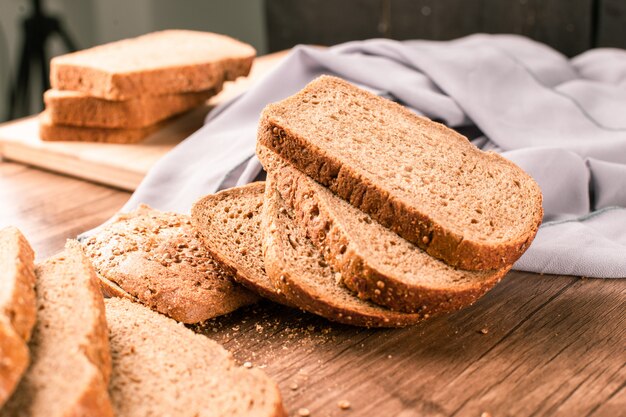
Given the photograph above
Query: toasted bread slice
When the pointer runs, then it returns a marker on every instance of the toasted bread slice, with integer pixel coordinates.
(298, 269)
(71, 362)
(170, 61)
(161, 368)
(229, 223)
(18, 308)
(157, 259)
(372, 260)
(73, 108)
(474, 210)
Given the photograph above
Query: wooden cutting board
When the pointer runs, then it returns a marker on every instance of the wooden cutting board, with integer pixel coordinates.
(122, 166)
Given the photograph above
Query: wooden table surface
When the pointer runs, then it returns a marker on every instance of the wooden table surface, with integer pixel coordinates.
(535, 345)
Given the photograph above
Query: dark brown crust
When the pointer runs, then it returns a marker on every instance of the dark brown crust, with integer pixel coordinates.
(288, 282)
(391, 212)
(300, 195)
(202, 211)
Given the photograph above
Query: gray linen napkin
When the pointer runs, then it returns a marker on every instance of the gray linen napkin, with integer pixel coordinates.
(563, 121)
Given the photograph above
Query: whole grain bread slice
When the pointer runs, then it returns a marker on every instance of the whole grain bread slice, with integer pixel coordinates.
(18, 309)
(298, 269)
(229, 223)
(158, 259)
(50, 132)
(73, 108)
(71, 362)
(474, 210)
(372, 260)
(161, 368)
(170, 61)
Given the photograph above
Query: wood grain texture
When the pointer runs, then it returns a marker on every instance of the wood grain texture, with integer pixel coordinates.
(565, 25)
(535, 345)
(121, 166)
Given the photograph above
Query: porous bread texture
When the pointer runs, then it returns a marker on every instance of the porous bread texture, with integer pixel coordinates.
(158, 259)
(73, 108)
(51, 132)
(475, 210)
(71, 362)
(18, 309)
(298, 269)
(161, 368)
(372, 260)
(229, 223)
(169, 61)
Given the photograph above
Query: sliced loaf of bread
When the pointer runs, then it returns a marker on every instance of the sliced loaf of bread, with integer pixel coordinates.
(372, 260)
(298, 269)
(170, 61)
(71, 362)
(474, 210)
(73, 108)
(18, 308)
(229, 223)
(161, 368)
(158, 259)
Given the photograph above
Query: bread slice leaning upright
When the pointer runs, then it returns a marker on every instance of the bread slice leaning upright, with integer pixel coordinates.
(71, 362)
(161, 368)
(474, 210)
(18, 309)
(298, 269)
(370, 259)
(229, 223)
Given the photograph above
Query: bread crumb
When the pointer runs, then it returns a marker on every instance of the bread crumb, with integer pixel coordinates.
(485, 414)
(293, 386)
(247, 365)
(304, 412)
(344, 404)
(484, 330)
(389, 356)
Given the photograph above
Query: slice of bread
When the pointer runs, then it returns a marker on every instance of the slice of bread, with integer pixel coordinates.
(71, 362)
(229, 223)
(298, 269)
(18, 308)
(474, 210)
(72, 108)
(158, 259)
(161, 368)
(372, 260)
(51, 132)
(170, 61)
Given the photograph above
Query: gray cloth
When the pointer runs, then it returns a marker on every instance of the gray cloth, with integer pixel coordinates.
(563, 121)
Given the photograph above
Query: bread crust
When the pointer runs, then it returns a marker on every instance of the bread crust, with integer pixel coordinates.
(331, 237)
(18, 308)
(392, 212)
(292, 283)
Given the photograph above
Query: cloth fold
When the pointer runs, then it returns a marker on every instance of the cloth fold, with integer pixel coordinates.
(563, 121)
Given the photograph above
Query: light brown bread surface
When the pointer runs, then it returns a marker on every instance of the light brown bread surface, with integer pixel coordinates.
(298, 269)
(73, 108)
(51, 132)
(71, 362)
(161, 368)
(372, 260)
(170, 61)
(473, 209)
(229, 223)
(158, 259)
(18, 308)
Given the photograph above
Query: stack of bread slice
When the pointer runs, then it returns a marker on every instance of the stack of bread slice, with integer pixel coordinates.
(122, 91)
(370, 215)
(66, 351)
